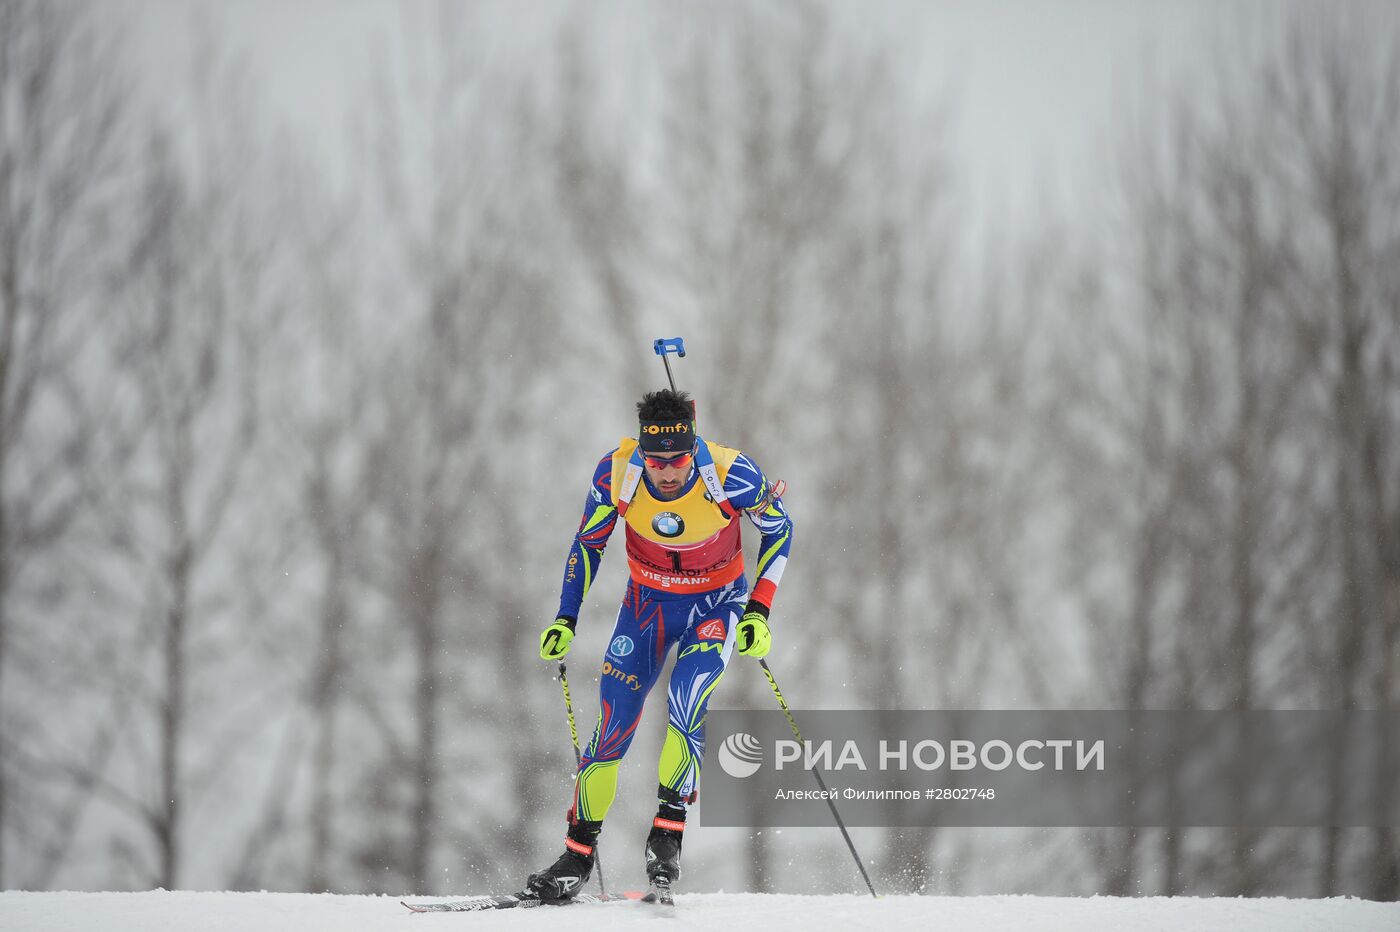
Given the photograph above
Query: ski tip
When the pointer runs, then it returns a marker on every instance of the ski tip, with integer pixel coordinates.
(408, 907)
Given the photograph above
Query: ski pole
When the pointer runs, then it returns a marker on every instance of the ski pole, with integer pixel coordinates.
(792, 723)
(578, 758)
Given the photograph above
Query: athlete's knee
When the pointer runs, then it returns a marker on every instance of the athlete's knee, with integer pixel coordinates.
(688, 697)
(617, 725)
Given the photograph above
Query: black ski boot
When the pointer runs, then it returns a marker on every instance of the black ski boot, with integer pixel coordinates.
(563, 879)
(664, 853)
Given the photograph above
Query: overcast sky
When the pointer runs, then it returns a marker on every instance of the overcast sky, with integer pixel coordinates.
(1038, 86)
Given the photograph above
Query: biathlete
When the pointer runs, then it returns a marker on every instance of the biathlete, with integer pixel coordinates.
(680, 498)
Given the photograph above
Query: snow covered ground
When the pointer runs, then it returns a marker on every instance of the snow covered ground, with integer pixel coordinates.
(731, 912)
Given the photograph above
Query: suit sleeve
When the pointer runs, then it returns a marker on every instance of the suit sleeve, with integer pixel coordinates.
(749, 490)
(586, 552)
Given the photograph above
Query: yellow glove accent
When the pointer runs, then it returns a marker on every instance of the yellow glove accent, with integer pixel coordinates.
(753, 635)
(555, 640)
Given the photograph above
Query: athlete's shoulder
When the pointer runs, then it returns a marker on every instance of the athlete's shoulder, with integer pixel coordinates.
(602, 478)
(744, 483)
(722, 455)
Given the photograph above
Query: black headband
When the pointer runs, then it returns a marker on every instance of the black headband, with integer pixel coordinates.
(670, 436)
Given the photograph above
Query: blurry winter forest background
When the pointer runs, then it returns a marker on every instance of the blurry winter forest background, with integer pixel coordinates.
(295, 427)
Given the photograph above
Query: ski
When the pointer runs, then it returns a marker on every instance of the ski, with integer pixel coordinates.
(659, 893)
(514, 901)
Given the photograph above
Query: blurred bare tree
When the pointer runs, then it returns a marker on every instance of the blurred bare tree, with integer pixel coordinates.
(315, 387)
(1337, 103)
(61, 116)
(1215, 385)
(464, 264)
(334, 486)
(187, 314)
(198, 312)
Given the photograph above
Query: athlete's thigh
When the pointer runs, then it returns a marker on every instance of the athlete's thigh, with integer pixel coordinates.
(630, 666)
(702, 655)
(644, 632)
(629, 670)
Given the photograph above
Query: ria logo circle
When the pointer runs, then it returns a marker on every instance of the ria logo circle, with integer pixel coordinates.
(740, 755)
(668, 524)
(621, 646)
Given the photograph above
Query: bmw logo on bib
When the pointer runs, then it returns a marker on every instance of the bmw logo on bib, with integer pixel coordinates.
(668, 524)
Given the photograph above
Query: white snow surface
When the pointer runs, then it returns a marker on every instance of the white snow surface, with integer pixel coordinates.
(731, 912)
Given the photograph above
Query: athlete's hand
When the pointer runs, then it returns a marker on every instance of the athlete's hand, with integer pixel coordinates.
(753, 635)
(555, 640)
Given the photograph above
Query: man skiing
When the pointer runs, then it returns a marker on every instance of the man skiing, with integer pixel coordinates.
(680, 499)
